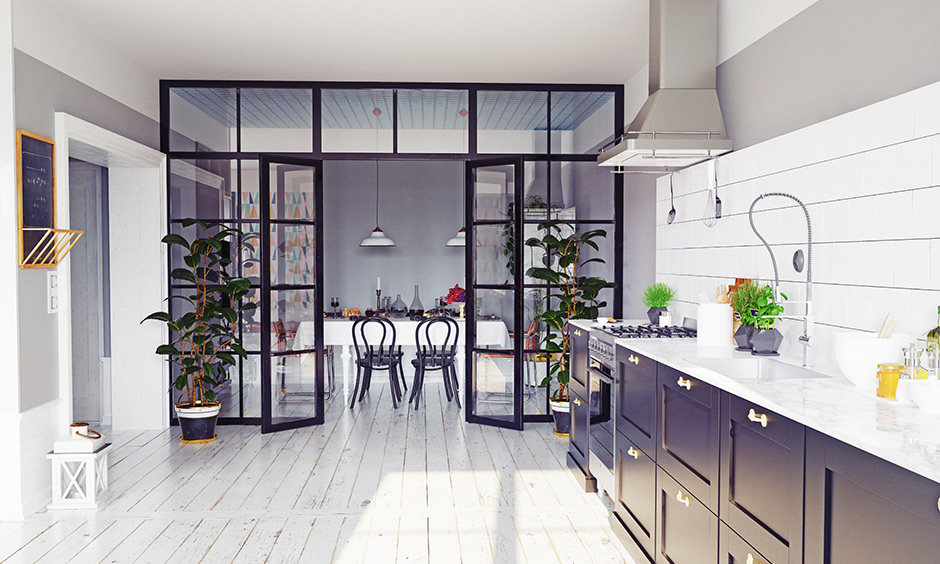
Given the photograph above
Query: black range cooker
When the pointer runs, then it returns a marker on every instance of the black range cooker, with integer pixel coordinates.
(601, 381)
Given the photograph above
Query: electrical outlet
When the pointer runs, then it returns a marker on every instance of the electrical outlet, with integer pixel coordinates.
(52, 292)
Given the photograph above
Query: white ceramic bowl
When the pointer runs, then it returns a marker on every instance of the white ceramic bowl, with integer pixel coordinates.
(859, 354)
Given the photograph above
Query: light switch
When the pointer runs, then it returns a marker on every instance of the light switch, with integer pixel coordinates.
(52, 292)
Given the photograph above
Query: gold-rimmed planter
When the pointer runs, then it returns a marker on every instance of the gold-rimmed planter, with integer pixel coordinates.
(561, 413)
(197, 422)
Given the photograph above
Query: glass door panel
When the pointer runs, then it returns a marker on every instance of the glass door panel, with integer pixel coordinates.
(291, 305)
(494, 388)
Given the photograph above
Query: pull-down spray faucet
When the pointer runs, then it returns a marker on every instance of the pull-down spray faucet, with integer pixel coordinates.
(797, 264)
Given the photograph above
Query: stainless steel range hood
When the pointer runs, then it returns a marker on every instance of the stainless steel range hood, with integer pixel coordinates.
(680, 124)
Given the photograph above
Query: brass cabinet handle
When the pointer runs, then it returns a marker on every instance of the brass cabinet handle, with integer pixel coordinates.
(634, 359)
(938, 503)
(577, 401)
(682, 498)
(683, 383)
(634, 453)
(577, 333)
(757, 417)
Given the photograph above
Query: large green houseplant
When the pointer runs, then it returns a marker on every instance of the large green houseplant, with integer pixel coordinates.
(204, 337)
(576, 297)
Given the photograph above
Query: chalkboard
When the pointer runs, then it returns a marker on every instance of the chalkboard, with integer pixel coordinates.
(36, 173)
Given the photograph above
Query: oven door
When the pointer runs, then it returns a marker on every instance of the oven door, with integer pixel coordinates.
(602, 424)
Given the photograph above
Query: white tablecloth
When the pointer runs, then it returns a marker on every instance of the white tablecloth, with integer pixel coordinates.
(339, 332)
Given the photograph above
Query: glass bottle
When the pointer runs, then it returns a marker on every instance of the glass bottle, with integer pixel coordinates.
(398, 309)
(416, 309)
(933, 336)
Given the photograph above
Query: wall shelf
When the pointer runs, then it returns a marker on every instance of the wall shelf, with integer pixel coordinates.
(53, 246)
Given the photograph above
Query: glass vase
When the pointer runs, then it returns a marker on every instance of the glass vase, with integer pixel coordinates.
(416, 309)
(398, 308)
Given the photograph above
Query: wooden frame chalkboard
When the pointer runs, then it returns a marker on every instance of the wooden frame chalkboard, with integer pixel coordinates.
(35, 171)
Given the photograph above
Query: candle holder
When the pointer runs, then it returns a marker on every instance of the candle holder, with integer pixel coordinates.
(378, 301)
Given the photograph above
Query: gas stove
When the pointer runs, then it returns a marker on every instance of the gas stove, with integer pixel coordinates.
(620, 331)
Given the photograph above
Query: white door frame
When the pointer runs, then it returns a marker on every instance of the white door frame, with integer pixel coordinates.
(137, 218)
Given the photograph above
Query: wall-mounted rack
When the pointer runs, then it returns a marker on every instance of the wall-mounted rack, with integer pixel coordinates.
(51, 248)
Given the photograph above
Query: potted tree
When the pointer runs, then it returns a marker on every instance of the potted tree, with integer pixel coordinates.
(576, 298)
(743, 302)
(204, 339)
(767, 338)
(658, 297)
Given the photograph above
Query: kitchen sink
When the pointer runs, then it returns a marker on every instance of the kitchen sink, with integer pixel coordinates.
(755, 368)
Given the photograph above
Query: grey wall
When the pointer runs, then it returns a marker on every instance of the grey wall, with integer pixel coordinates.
(834, 57)
(421, 208)
(40, 92)
(639, 241)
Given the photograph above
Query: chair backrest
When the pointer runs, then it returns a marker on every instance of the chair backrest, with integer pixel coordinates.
(373, 338)
(436, 338)
(281, 333)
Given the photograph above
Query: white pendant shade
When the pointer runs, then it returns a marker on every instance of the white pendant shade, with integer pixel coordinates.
(458, 240)
(377, 239)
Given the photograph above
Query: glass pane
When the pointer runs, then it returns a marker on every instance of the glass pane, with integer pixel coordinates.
(605, 252)
(177, 252)
(492, 385)
(584, 191)
(494, 254)
(293, 254)
(356, 121)
(250, 191)
(433, 121)
(512, 122)
(229, 394)
(251, 322)
(251, 385)
(277, 120)
(494, 319)
(251, 252)
(534, 394)
(293, 387)
(202, 189)
(494, 192)
(295, 311)
(202, 119)
(535, 196)
(582, 122)
(292, 191)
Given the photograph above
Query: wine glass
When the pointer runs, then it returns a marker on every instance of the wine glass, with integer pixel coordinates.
(334, 303)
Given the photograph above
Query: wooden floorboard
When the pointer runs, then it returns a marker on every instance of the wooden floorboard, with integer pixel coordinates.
(411, 485)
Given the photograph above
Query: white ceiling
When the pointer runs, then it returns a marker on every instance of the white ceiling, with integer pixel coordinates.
(549, 41)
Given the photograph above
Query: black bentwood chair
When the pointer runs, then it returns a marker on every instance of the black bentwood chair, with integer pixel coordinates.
(374, 340)
(436, 339)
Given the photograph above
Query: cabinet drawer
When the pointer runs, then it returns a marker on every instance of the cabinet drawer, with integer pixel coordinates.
(860, 508)
(636, 399)
(634, 516)
(686, 531)
(762, 478)
(687, 445)
(734, 550)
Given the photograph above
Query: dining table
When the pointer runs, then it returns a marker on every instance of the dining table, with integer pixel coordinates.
(338, 332)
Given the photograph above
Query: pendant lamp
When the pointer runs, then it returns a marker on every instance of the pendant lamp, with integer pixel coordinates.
(460, 239)
(377, 238)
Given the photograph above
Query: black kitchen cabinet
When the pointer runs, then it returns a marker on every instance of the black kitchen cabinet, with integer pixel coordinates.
(732, 549)
(687, 445)
(578, 380)
(636, 399)
(578, 440)
(762, 478)
(686, 531)
(861, 509)
(634, 515)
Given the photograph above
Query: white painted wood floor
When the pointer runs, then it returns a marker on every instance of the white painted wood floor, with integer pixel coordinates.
(371, 485)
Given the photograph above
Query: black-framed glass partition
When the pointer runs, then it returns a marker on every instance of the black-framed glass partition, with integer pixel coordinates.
(217, 134)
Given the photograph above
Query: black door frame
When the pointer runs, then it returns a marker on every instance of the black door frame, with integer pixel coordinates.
(267, 355)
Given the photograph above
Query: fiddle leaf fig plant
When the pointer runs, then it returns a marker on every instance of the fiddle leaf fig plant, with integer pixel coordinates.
(577, 296)
(204, 340)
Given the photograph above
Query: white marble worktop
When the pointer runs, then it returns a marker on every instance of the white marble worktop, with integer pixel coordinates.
(899, 433)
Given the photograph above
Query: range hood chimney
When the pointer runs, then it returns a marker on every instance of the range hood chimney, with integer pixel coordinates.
(680, 124)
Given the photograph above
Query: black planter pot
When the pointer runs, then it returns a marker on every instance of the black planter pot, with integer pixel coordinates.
(765, 342)
(743, 336)
(653, 314)
(197, 424)
(561, 413)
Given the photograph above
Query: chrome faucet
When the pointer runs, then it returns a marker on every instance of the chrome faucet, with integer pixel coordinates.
(798, 265)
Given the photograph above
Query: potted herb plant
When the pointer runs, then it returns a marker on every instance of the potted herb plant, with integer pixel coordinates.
(743, 302)
(576, 298)
(658, 297)
(767, 338)
(204, 339)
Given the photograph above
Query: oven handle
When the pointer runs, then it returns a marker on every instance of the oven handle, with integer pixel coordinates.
(601, 376)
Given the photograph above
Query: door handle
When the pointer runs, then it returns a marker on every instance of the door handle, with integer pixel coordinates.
(634, 453)
(759, 418)
(634, 359)
(682, 498)
(683, 383)
(577, 401)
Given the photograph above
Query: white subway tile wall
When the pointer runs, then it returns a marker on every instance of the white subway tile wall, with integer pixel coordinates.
(871, 182)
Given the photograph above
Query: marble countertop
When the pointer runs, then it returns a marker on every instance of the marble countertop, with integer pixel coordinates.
(899, 433)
